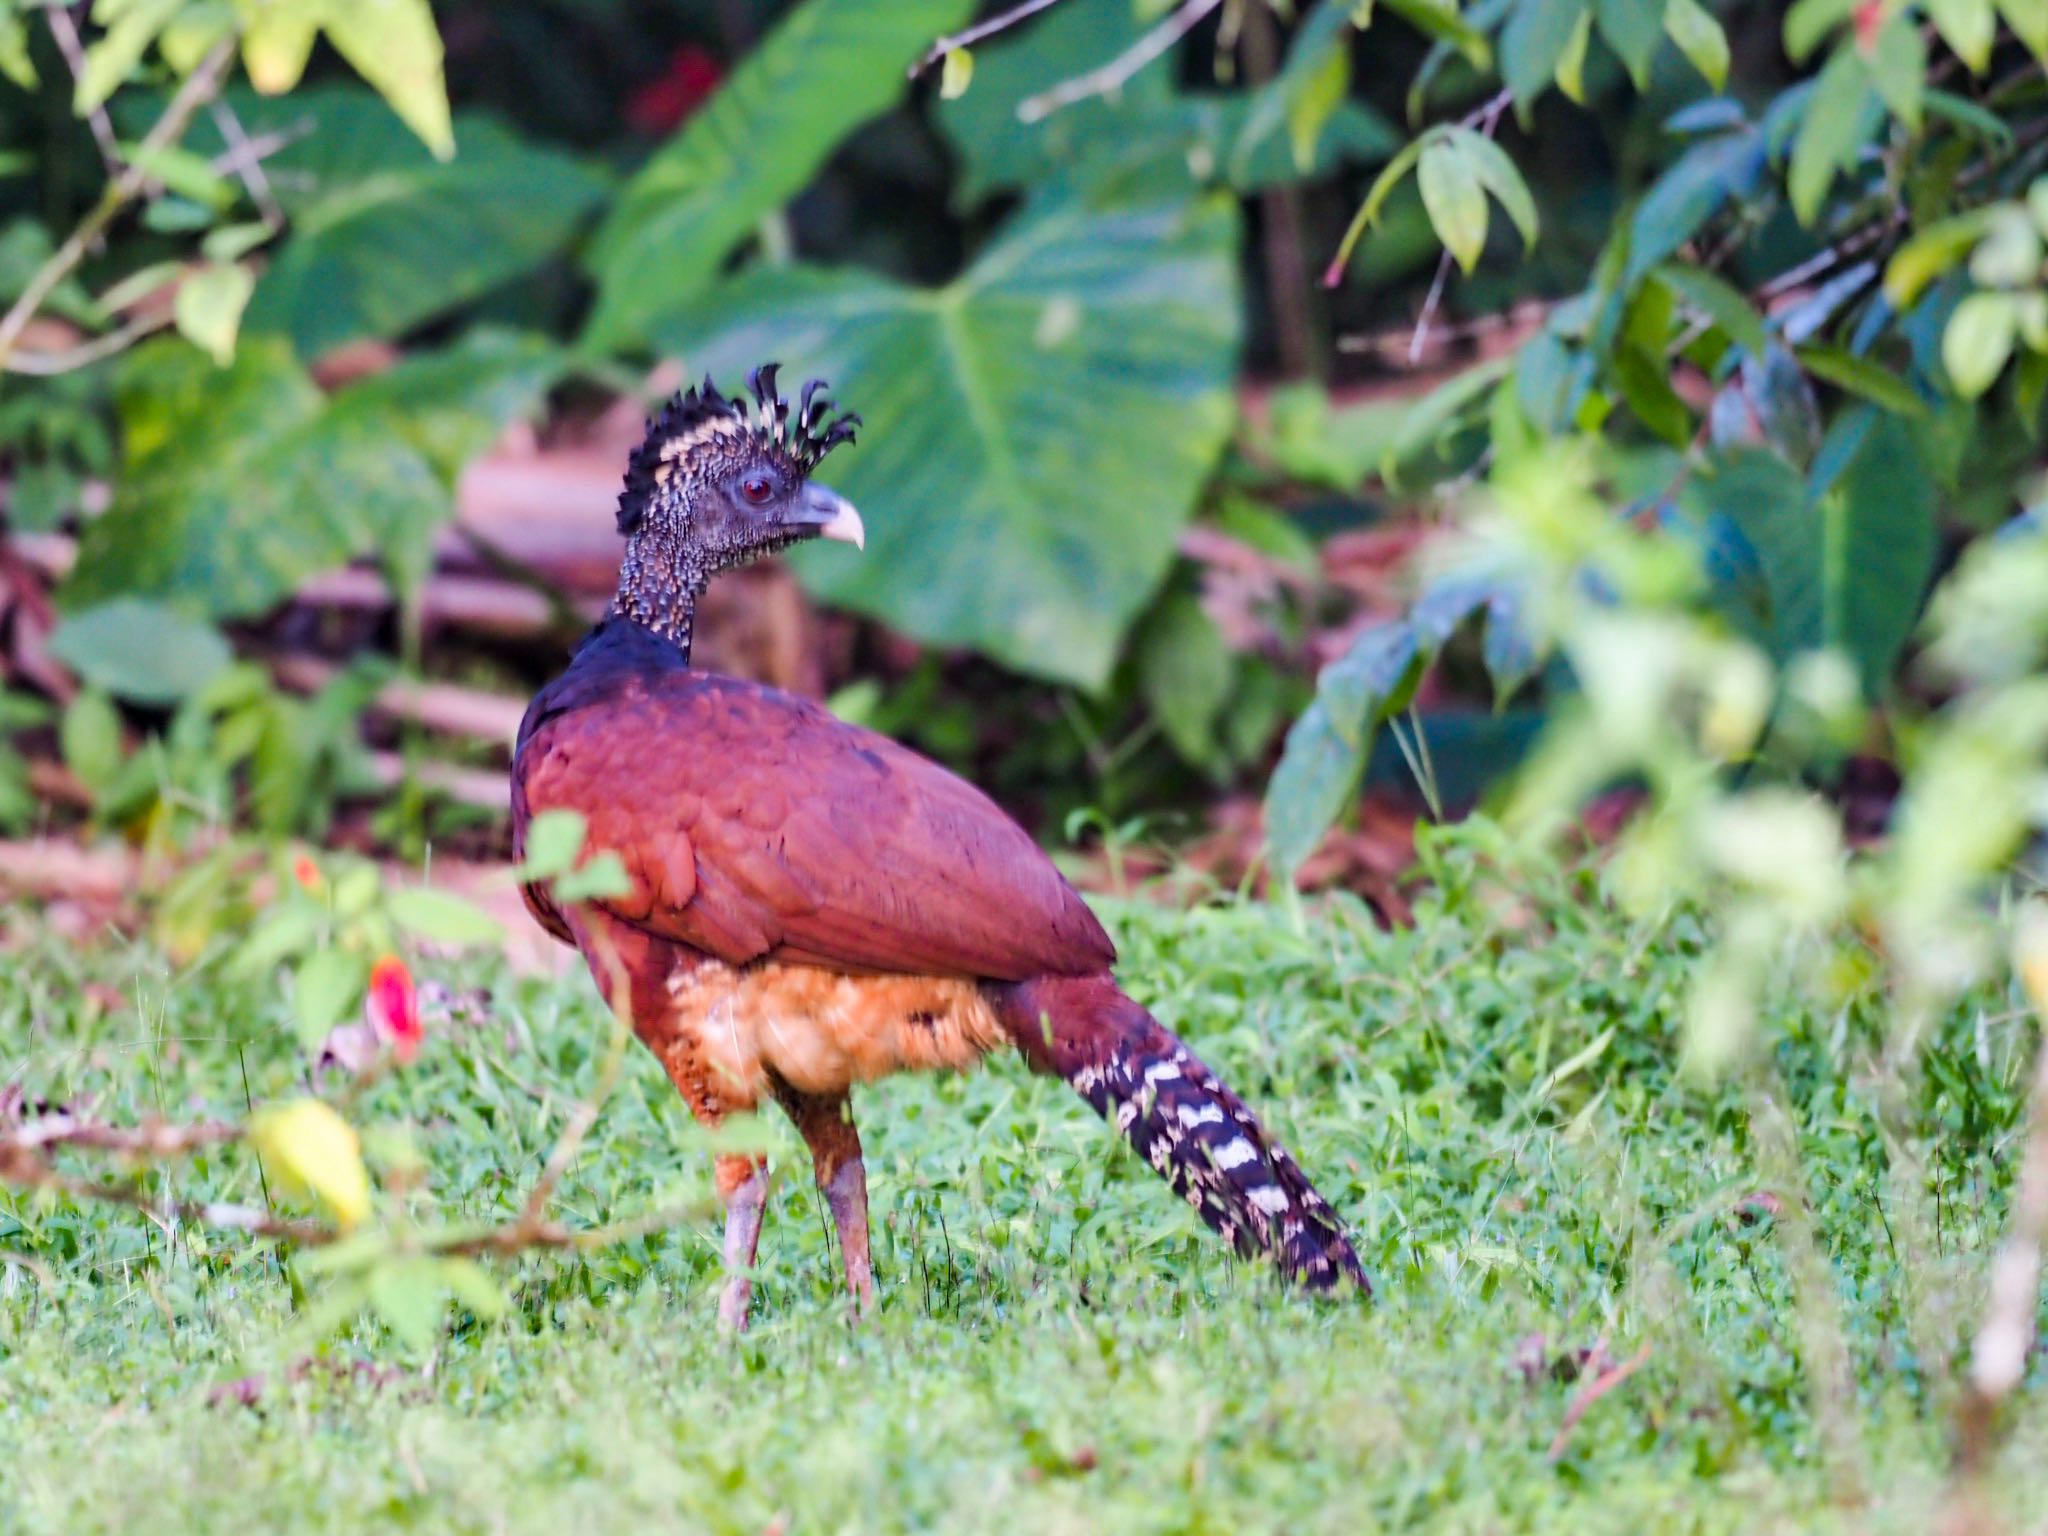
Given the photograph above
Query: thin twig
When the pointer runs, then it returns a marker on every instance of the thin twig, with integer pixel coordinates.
(980, 30)
(86, 353)
(1112, 76)
(255, 148)
(1591, 1392)
(246, 162)
(199, 88)
(65, 31)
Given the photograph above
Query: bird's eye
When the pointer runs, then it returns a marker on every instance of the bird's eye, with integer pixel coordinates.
(757, 489)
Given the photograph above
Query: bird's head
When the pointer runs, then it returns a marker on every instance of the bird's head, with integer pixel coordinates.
(718, 482)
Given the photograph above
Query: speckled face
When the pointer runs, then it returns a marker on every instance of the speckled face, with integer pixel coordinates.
(724, 484)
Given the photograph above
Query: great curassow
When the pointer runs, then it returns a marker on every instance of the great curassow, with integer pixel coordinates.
(810, 905)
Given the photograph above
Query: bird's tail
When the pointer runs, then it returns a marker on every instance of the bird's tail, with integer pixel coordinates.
(1195, 1132)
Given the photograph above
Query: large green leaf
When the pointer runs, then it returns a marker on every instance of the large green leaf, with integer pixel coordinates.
(1847, 569)
(242, 482)
(1036, 430)
(826, 69)
(384, 236)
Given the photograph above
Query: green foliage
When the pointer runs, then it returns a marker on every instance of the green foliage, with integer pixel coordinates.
(1110, 330)
(243, 482)
(827, 68)
(384, 235)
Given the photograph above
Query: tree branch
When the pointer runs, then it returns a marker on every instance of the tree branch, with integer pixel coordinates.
(200, 87)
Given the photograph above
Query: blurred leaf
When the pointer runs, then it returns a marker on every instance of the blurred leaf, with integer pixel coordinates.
(1441, 20)
(1835, 126)
(1696, 187)
(242, 482)
(1632, 28)
(1316, 776)
(828, 67)
(277, 40)
(1036, 430)
(1455, 200)
(394, 45)
(600, 876)
(15, 62)
(326, 988)
(90, 735)
(1185, 670)
(1850, 571)
(1978, 341)
(112, 58)
(1500, 176)
(309, 1148)
(140, 650)
(1898, 69)
(1967, 26)
(552, 841)
(384, 236)
(1931, 252)
(2029, 22)
(441, 917)
(407, 1292)
(454, 402)
(1571, 64)
(1726, 306)
(1532, 43)
(1808, 23)
(209, 306)
(1374, 677)
(1693, 28)
(1326, 749)
(1319, 90)
(1859, 376)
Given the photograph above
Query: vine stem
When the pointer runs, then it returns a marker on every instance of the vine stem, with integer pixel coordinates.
(199, 88)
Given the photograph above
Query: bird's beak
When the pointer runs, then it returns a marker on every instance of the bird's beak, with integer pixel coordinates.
(831, 515)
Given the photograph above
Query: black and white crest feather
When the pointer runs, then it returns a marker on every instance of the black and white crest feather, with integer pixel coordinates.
(803, 441)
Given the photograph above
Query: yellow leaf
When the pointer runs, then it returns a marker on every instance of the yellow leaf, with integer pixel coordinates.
(277, 39)
(310, 1149)
(394, 45)
(956, 74)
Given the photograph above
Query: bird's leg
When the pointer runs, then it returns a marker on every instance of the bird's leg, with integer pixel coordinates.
(743, 1185)
(825, 1121)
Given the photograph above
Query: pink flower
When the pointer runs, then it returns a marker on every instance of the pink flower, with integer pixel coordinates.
(393, 1007)
(307, 873)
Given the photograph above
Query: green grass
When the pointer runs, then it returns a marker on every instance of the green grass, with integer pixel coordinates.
(1491, 1098)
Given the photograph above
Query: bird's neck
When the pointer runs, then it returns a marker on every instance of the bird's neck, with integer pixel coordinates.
(660, 580)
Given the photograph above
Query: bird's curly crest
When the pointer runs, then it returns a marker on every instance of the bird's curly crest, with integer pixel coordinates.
(698, 412)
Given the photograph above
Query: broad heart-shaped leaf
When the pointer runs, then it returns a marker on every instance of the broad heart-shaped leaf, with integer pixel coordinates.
(828, 67)
(383, 235)
(1035, 431)
(243, 481)
(1847, 570)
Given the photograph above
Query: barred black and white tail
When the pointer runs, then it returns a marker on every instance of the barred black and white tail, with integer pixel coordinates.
(1196, 1133)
